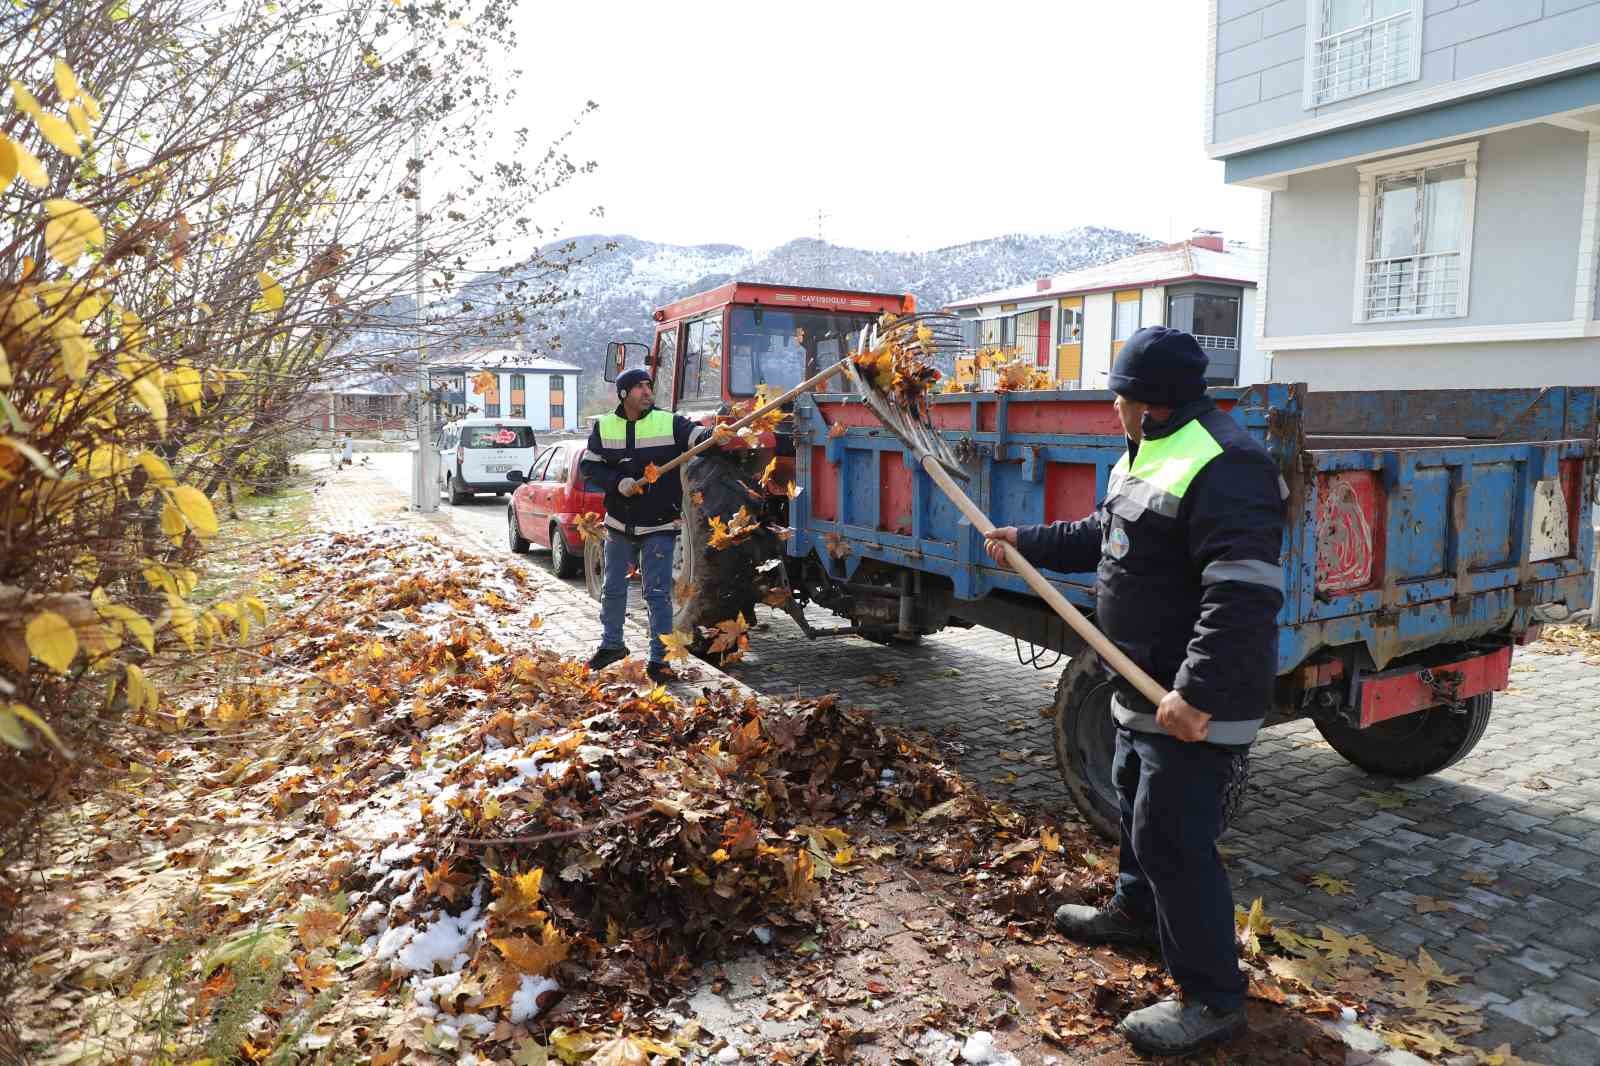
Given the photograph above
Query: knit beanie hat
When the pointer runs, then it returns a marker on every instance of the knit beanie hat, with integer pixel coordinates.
(1161, 366)
(629, 378)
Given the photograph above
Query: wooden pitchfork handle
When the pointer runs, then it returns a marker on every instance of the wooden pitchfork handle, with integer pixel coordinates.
(1113, 656)
(805, 386)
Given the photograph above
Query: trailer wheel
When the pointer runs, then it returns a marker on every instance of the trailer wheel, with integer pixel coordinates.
(721, 584)
(1086, 740)
(1413, 745)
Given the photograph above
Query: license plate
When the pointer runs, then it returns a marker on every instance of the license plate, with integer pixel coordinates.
(497, 468)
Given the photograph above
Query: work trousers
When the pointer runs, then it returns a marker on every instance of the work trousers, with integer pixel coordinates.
(1171, 794)
(652, 553)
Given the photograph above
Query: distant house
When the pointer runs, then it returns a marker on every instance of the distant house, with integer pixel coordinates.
(363, 403)
(1430, 173)
(1073, 325)
(543, 391)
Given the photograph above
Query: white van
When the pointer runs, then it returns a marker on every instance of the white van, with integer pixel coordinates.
(476, 454)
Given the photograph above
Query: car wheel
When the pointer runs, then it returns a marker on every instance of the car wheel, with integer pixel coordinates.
(519, 543)
(456, 495)
(562, 560)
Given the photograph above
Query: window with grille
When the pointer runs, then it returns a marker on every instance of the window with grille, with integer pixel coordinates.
(1416, 245)
(1361, 46)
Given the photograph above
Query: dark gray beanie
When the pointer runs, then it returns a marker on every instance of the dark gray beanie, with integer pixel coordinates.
(1160, 366)
(629, 378)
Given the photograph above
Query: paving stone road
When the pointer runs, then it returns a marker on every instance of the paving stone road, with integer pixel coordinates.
(1521, 814)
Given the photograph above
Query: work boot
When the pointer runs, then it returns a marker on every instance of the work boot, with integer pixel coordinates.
(661, 673)
(604, 657)
(1178, 1026)
(1107, 925)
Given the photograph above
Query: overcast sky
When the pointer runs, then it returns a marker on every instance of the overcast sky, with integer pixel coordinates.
(909, 126)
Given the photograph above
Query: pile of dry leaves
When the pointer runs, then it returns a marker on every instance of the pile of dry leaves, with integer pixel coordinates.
(415, 834)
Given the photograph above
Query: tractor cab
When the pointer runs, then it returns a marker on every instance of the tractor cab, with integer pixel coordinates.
(717, 348)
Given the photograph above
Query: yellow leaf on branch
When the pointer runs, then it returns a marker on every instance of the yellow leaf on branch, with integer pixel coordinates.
(80, 121)
(196, 509)
(186, 385)
(141, 693)
(28, 165)
(52, 640)
(132, 621)
(271, 293)
(30, 453)
(66, 81)
(72, 228)
(155, 466)
(12, 714)
(172, 523)
(24, 99)
(154, 401)
(75, 350)
(255, 607)
(58, 132)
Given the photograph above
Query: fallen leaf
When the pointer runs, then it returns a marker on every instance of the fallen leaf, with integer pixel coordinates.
(1333, 886)
(677, 644)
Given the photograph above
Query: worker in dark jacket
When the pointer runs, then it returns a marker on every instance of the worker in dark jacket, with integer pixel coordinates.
(642, 519)
(1186, 550)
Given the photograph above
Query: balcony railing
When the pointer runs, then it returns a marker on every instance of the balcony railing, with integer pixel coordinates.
(1415, 286)
(1362, 59)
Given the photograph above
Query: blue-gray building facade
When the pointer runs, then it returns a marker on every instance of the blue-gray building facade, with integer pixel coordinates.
(1430, 176)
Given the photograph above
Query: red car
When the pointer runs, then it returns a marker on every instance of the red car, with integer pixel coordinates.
(544, 509)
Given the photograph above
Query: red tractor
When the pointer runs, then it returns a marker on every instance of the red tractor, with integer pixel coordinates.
(712, 354)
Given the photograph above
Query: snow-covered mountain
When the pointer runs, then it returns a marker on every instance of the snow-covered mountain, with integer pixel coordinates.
(618, 280)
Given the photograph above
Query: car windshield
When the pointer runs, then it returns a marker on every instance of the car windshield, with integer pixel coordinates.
(780, 349)
(497, 437)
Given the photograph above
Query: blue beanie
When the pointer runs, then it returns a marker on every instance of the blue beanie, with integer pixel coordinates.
(629, 378)
(1161, 366)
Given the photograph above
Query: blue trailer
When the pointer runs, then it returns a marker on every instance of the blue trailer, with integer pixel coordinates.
(1426, 531)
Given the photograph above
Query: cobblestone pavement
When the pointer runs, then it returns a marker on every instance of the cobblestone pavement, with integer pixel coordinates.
(1502, 851)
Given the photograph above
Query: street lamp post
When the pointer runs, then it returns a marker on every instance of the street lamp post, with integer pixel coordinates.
(425, 490)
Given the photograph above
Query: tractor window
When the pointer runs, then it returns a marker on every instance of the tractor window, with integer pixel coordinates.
(666, 361)
(780, 349)
(702, 360)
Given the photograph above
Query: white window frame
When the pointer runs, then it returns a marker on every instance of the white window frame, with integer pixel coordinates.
(1315, 12)
(1369, 175)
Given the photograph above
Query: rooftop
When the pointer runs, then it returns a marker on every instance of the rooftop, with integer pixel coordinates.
(501, 359)
(1199, 258)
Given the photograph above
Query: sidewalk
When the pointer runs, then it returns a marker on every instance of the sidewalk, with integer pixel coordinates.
(746, 1000)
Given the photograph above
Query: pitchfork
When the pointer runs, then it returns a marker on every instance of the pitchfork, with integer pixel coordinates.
(912, 425)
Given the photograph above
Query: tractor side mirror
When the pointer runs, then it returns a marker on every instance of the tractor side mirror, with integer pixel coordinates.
(620, 353)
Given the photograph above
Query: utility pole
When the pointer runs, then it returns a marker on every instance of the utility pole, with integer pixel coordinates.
(425, 490)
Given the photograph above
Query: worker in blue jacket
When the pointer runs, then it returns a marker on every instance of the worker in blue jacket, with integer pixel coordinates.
(1188, 584)
(642, 519)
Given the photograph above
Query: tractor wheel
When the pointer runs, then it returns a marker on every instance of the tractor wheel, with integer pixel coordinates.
(1413, 745)
(720, 584)
(1086, 747)
(1086, 740)
(594, 565)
